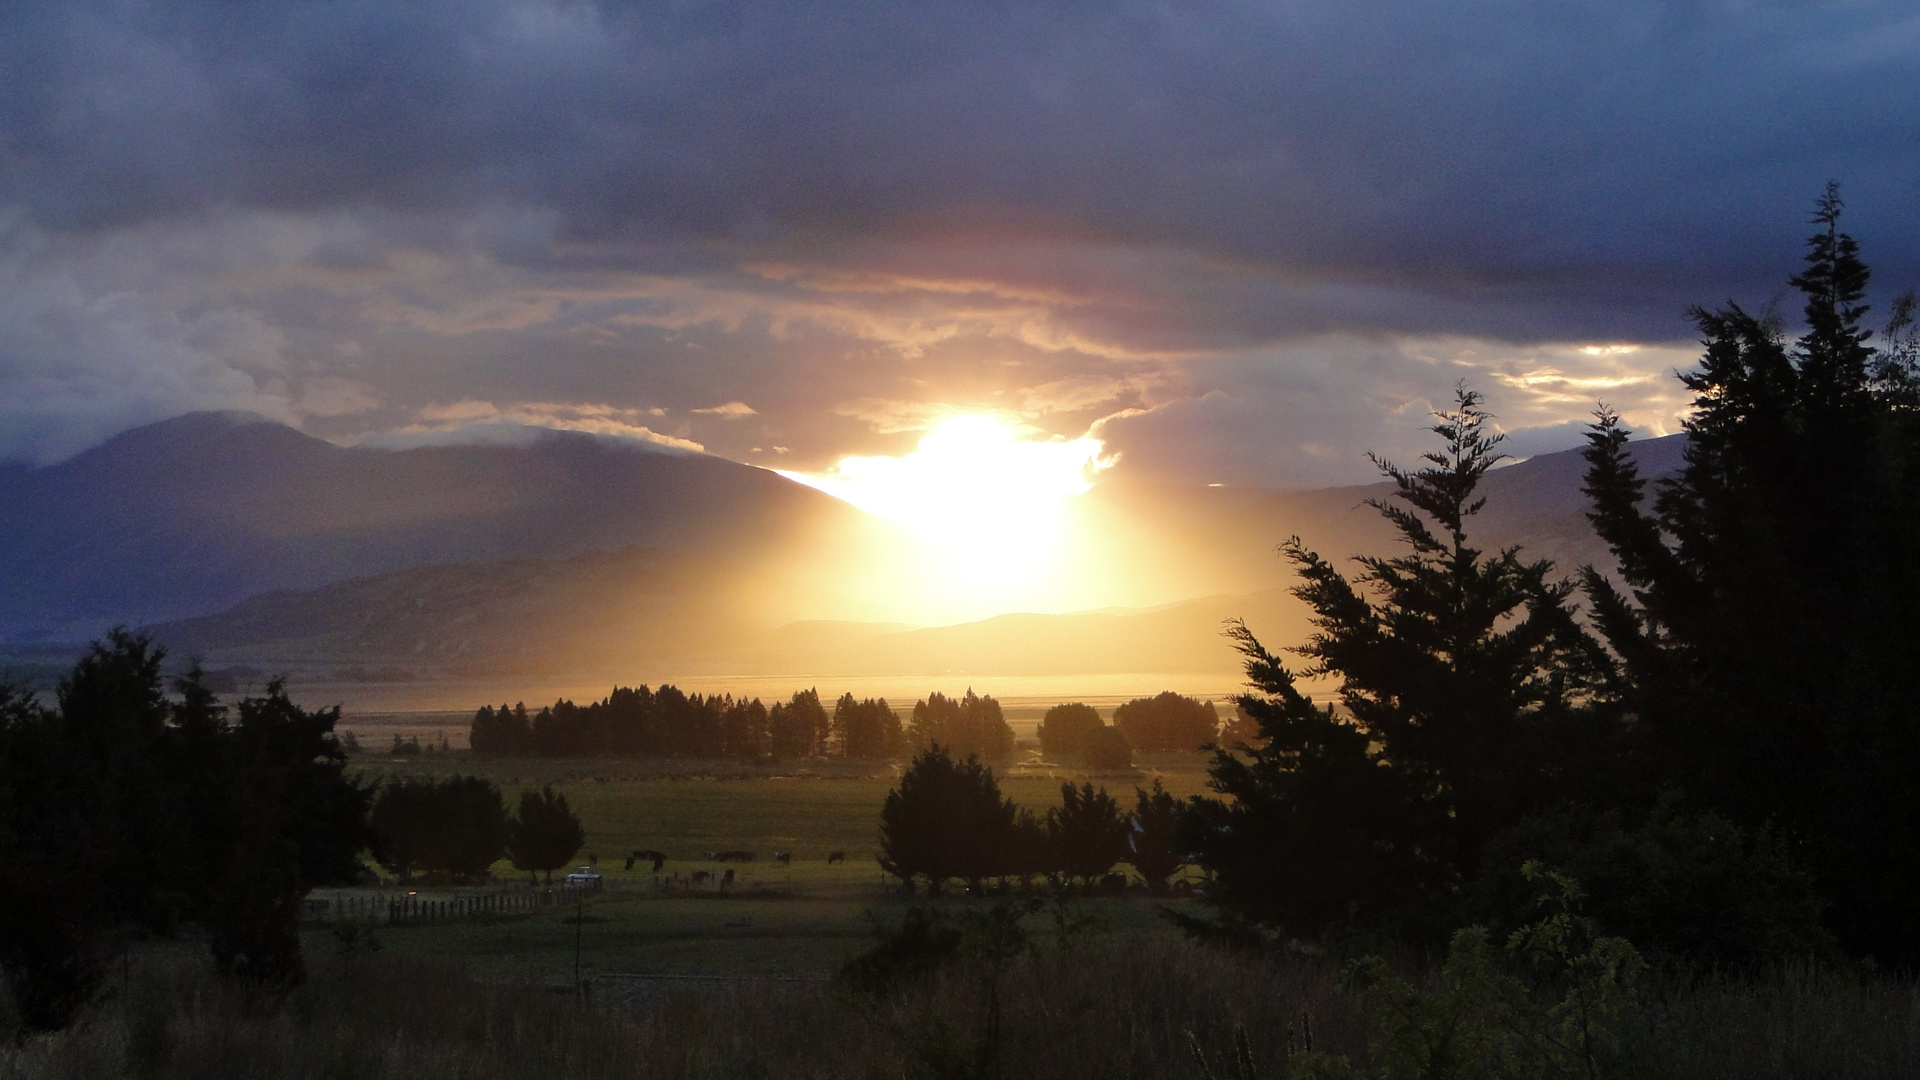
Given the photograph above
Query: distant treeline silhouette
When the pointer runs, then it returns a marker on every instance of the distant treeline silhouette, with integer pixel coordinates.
(668, 722)
(638, 722)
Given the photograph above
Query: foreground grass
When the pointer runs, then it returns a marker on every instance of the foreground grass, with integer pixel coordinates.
(1120, 1007)
(805, 936)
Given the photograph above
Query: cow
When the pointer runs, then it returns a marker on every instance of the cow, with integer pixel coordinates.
(838, 856)
(658, 858)
(732, 856)
(727, 881)
(700, 876)
(784, 858)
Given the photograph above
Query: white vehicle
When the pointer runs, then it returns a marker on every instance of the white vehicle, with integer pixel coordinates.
(583, 877)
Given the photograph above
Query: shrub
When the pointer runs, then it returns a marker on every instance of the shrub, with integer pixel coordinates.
(1690, 888)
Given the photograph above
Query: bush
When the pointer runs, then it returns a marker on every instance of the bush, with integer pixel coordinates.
(1689, 888)
(928, 940)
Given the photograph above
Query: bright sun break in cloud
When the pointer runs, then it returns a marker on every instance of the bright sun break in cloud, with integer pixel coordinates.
(988, 502)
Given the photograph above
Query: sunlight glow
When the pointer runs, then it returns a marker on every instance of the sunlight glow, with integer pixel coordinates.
(988, 503)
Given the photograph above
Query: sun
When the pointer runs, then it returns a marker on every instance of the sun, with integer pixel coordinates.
(986, 499)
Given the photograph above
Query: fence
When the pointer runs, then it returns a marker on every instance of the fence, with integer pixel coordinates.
(413, 909)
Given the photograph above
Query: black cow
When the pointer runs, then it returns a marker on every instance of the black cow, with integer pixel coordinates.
(784, 858)
(838, 856)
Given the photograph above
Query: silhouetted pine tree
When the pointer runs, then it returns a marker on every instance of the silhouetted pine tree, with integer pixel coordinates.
(1152, 837)
(1463, 677)
(1087, 831)
(1768, 630)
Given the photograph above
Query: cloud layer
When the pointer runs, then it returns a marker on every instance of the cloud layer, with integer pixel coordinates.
(1249, 240)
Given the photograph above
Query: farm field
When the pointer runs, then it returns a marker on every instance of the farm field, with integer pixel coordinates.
(801, 919)
(810, 810)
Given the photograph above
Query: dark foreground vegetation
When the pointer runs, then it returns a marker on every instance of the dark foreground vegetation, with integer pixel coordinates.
(1107, 1009)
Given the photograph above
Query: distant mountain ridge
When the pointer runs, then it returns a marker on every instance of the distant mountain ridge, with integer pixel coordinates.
(1536, 504)
(635, 610)
(191, 515)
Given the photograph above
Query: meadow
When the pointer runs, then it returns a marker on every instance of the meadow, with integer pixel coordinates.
(804, 918)
(808, 809)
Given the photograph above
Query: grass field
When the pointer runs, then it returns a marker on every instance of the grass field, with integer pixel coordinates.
(636, 933)
(805, 918)
(687, 808)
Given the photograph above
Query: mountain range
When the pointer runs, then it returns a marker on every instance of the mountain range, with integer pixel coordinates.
(189, 516)
(245, 542)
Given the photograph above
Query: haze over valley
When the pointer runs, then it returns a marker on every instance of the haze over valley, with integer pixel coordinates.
(572, 559)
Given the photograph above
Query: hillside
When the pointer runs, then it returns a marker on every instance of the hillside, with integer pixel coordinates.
(1536, 504)
(641, 613)
(192, 515)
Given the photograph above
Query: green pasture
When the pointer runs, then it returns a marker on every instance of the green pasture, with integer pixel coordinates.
(806, 918)
(686, 809)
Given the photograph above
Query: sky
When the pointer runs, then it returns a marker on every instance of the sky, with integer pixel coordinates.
(1237, 243)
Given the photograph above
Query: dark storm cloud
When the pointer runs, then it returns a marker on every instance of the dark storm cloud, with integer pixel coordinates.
(1560, 163)
(1255, 238)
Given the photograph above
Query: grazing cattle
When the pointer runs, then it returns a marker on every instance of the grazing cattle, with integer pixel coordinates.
(700, 876)
(784, 858)
(732, 856)
(629, 862)
(838, 856)
(728, 880)
(658, 858)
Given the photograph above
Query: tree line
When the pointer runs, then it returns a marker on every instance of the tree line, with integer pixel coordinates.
(128, 811)
(1165, 722)
(668, 722)
(136, 805)
(639, 722)
(453, 830)
(947, 820)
